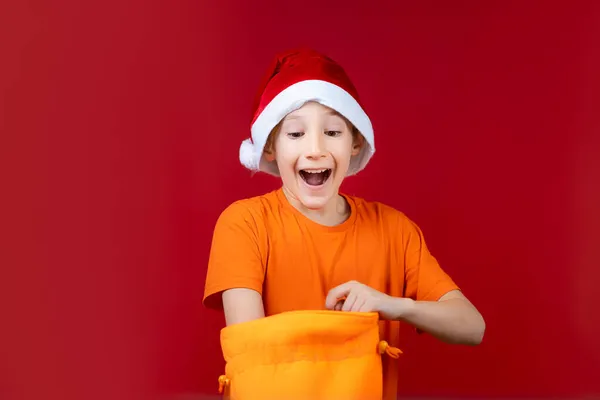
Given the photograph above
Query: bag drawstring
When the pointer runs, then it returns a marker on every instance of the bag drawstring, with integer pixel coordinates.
(393, 352)
(223, 382)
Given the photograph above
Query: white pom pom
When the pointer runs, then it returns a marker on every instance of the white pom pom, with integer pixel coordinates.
(248, 155)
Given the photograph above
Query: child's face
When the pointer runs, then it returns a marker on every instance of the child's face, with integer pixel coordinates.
(313, 150)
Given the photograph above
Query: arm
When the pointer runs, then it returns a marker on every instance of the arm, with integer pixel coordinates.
(236, 266)
(432, 301)
(242, 305)
(451, 319)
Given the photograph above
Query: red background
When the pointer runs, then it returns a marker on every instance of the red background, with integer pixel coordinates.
(119, 133)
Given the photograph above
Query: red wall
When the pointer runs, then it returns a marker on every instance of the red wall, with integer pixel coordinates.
(119, 131)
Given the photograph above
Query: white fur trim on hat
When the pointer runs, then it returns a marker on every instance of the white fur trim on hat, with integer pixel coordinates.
(291, 99)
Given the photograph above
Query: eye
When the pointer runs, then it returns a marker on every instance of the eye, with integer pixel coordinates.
(295, 135)
(333, 133)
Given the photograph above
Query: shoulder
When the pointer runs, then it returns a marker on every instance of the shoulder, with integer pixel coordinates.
(250, 211)
(376, 210)
(392, 221)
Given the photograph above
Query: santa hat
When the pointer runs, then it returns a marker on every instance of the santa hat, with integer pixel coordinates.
(294, 78)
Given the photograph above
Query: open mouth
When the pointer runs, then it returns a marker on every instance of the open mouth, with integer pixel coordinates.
(315, 177)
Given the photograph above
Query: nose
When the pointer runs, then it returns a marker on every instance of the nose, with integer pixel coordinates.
(316, 146)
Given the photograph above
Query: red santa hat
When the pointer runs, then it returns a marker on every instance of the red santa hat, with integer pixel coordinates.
(294, 78)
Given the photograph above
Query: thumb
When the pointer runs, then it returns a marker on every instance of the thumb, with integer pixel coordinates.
(338, 293)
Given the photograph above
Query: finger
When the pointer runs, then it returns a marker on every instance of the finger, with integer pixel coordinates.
(366, 307)
(358, 305)
(349, 302)
(337, 293)
(339, 304)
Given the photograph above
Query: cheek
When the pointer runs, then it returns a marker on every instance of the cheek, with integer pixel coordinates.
(343, 154)
(287, 171)
(286, 160)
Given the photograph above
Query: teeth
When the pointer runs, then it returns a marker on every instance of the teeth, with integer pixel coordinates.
(315, 171)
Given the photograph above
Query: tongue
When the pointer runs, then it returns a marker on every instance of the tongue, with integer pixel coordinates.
(314, 179)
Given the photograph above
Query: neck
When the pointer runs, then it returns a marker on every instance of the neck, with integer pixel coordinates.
(333, 213)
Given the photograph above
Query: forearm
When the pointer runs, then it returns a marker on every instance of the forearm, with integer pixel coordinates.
(453, 320)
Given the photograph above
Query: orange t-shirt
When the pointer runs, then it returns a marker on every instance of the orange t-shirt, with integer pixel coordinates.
(265, 244)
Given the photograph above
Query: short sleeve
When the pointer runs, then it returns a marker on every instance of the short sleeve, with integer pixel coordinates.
(424, 278)
(235, 259)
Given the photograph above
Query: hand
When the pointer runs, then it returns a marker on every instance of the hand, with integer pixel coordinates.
(357, 297)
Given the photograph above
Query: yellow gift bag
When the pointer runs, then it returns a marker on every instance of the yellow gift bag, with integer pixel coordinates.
(325, 355)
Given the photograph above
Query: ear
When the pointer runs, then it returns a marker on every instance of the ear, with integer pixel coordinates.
(269, 152)
(358, 143)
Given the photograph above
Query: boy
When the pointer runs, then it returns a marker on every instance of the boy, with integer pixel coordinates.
(305, 246)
